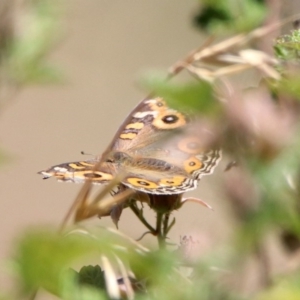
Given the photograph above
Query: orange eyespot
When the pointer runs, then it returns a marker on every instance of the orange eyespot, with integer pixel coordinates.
(192, 164)
(190, 145)
(94, 176)
(138, 182)
(169, 119)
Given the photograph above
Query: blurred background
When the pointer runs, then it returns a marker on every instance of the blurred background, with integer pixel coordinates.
(101, 50)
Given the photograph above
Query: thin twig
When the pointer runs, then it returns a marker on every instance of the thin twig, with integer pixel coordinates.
(171, 225)
(264, 264)
(140, 216)
(82, 195)
(141, 237)
(166, 224)
(104, 207)
(160, 238)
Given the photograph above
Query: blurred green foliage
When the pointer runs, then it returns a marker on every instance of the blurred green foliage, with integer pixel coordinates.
(29, 41)
(28, 33)
(229, 16)
(284, 288)
(92, 275)
(287, 50)
(43, 259)
(287, 47)
(192, 97)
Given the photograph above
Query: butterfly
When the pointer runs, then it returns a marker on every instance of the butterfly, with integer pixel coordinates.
(157, 150)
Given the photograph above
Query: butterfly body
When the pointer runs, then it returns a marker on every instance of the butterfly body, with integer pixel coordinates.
(157, 150)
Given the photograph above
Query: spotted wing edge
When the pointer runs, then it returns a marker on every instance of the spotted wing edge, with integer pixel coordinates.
(78, 172)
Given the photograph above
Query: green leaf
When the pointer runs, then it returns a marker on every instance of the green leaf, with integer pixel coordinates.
(43, 257)
(287, 47)
(25, 61)
(229, 16)
(92, 275)
(71, 290)
(287, 289)
(289, 85)
(278, 205)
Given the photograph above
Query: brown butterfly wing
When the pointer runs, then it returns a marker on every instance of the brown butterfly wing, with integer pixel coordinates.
(157, 150)
(165, 151)
(79, 172)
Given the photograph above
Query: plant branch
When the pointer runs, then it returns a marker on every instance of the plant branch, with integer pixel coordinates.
(140, 216)
(159, 230)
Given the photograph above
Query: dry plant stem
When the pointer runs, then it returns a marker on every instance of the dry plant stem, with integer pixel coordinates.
(103, 208)
(162, 224)
(171, 225)
(166, 226)
(264, 263)
(274, 8)
(140, 216)
(159, 230)
(142, 236)
(79, 200)
(181, 64)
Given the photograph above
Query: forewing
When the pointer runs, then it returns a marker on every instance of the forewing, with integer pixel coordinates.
(80, 172)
